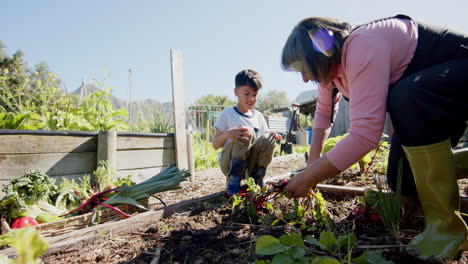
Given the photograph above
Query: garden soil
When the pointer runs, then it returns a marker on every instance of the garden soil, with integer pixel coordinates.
(211, 233)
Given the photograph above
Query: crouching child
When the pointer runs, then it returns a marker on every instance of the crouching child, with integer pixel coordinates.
(242, 132)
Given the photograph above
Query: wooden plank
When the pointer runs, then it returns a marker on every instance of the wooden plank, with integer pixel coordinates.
(21, 144)
(128, 143)
(139, 159)
(179, 109)
(46, 132)
(52, 164)
(191, 160)
(139, 175)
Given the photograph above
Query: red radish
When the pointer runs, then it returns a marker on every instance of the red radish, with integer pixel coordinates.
(374, 217)
(359, 211)
(24, 222)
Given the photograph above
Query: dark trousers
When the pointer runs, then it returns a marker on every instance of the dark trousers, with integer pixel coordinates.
(429, 103)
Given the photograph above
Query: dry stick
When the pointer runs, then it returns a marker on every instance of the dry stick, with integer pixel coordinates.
(157, 254)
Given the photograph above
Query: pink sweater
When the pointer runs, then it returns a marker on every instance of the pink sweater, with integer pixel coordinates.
(373, 57)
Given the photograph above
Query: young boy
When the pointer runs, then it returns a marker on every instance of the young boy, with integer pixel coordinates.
(244, 135)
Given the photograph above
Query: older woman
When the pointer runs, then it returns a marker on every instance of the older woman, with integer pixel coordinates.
(416, 73)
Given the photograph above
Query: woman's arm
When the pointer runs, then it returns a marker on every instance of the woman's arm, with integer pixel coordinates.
(318, 141)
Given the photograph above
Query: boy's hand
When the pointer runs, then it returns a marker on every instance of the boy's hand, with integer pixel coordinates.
(277, 136)
(238, 133)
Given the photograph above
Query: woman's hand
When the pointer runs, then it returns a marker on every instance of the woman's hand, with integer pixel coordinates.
(299, 185)
(313, 174)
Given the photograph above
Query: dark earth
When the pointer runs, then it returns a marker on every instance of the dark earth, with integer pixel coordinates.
(212, 233)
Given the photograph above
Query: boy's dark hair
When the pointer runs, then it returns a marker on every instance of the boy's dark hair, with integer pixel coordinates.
(250, 78)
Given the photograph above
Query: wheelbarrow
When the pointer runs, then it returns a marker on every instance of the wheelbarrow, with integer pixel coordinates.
(286, 147)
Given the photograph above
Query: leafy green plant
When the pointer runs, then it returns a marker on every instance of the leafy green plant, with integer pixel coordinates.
(386, 203)
(98, 115)
(329, 249)
(376, 159)
(29, 244)
(24, 194)
(205, 157)
(161, 122)
(287, 249)
(258, 204)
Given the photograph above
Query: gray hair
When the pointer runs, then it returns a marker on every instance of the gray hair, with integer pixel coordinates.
(315, 55)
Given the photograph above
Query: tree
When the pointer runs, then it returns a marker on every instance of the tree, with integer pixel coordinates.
(272, 100)
(215, 100)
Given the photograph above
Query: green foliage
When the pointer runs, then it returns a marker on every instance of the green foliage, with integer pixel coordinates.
(258, 203)
(29, 244)
(33, 99)
(292, 249)
(254, 202)
(25, 191)
(386, 203)
(40, 104)
(272, 100)
(287, 249)
(161, 122)
(215, 100)
(97, 114)
(300, 149)
(376, 159)
(205, 157)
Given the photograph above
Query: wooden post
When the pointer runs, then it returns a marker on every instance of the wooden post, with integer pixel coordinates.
(191, 162)
(107, 148)
(179, 109)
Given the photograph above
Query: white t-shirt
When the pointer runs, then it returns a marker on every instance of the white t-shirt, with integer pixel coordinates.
(231, 117)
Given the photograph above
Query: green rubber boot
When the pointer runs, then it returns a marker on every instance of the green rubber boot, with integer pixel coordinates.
(445, 233)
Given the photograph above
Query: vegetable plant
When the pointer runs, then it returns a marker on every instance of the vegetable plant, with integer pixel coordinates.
(258, 204)
(328, 249)
(168, 179)
(205, 156)
(28, 195)
(374, 160)
(386, 203)
(29, 245)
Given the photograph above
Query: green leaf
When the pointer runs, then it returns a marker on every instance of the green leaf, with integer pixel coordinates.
(296, 253)
(325, 260)
(349, 240)
(327, 239)
(263, 261)
(29, 244)
(292, 240)
(269, 206)
(371, 257)
(5, 260)
(268, 245)
(282, 258)
(311, 240)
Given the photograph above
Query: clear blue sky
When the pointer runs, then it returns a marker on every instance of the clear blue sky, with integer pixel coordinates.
(81, 39)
